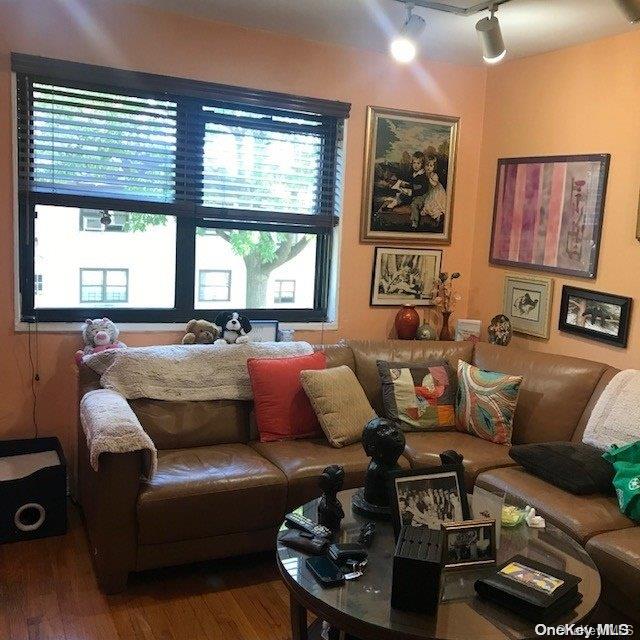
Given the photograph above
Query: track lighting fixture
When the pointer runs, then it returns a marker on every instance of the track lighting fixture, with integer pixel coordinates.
(490, 34)
(631, 9)
(405, 45)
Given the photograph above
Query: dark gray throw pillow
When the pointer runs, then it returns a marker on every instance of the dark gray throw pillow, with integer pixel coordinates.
(573, 466)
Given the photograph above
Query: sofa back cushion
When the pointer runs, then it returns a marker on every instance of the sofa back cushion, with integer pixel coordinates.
(191, 423)
(553, 395)
(366, 353)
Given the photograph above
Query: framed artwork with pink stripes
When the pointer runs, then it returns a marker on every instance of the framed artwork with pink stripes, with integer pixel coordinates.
(547, 213)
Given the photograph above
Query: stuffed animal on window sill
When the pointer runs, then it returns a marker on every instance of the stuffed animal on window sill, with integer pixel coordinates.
(200, 332)
(233, 328)
(98, 335)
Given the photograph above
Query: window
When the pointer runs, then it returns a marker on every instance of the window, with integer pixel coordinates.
(285, 291)
(185, 195)
(214, 286)
(104, 285)
(37, 284)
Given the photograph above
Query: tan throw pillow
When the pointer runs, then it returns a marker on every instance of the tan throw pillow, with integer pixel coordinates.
(339, 402)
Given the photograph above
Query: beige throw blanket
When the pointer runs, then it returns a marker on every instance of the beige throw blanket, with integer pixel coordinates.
(111, 426)
(186, 372)
(616, 417)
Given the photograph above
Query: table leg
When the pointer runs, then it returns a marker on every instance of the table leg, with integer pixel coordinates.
(298, 619)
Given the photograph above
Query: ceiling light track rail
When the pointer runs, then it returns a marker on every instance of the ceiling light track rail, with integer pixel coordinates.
(459, 11)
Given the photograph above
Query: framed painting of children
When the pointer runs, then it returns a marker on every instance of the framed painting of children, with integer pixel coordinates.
(409, 177)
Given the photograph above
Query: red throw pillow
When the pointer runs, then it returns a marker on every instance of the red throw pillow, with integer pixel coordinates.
(283, 411)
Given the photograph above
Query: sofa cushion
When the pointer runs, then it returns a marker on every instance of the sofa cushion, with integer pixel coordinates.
(553, 394)
(339, 402)
(209, 491)
(617, 556)
(582, 517)
(486, 402)
(366, 354)
(573, 466)
(193, 423)
(302, 463)
(420, 397)
(423, 450)
(282, 409)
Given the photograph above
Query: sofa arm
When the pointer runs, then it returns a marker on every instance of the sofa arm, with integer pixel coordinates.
(114, 453)
(111, 426)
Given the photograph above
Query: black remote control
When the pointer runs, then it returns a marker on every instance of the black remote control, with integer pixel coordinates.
(298, 521)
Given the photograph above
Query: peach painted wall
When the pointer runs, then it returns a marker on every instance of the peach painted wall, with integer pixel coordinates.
(100, 32)
(583, 99)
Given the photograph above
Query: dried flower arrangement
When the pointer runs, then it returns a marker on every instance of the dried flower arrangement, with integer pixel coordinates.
(445, 298)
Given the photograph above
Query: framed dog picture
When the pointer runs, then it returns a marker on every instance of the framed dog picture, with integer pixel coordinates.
(428, 497)
(409, 174)
(599, 316)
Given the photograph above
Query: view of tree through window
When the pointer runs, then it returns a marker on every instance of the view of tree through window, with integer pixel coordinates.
(167, 188)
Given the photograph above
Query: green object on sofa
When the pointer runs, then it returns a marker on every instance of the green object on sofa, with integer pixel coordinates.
(626, 462)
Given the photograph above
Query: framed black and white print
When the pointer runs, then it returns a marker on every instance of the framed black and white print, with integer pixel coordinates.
(592, 314)
(402, 276)
(428, 497)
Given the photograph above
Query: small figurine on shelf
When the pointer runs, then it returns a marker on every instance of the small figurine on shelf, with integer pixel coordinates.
(330, 511)
(445, 299)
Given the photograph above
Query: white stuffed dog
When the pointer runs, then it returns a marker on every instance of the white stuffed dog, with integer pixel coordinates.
(233, 328)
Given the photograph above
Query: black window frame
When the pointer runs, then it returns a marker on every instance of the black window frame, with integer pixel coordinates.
(202, 286)
(105, 271)
(278, 292)
(190, 96)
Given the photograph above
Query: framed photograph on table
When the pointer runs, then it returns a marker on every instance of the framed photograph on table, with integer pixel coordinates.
(527, 303)
(599, 316)
(468, 544)
(428, 497)
(402, 276)
(547, 213)
(410, 163)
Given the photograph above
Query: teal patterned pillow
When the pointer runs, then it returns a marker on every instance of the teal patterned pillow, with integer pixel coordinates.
(486, 402)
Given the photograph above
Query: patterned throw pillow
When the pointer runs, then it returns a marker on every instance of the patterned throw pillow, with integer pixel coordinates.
(486, 402)
(420, 397)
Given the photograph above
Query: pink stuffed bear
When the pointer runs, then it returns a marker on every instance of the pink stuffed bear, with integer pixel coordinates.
(99, 335)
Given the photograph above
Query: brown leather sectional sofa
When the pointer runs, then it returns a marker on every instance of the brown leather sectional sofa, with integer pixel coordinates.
(219, 492)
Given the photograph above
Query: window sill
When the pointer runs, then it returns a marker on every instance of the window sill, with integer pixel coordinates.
(155, 327)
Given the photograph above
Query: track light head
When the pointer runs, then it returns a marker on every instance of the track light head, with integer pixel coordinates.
(404, 46)
(631, 9)
(490, 35)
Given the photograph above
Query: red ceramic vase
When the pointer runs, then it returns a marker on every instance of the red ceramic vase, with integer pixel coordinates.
(407, 322)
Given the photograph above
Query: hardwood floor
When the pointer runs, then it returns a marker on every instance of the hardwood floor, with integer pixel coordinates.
(48, 592)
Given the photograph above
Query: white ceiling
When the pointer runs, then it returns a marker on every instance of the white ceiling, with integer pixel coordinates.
(528, 26)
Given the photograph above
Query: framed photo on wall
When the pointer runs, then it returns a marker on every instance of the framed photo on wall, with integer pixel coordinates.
(402, 276)
(599, 316)
(527, 303)
(409, 175)
(547, 213)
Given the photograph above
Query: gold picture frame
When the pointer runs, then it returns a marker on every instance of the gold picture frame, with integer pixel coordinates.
(400, 204)
(528, 315)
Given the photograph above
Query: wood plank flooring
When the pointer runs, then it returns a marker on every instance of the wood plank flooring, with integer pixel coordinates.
(48, 592)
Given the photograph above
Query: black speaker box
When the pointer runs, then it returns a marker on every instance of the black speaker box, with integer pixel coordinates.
(33, 503)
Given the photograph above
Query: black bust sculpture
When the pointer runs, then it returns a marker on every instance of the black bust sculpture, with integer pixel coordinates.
(384, 442)
(330, 511)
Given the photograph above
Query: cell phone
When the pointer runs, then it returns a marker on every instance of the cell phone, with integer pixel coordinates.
(325, 571)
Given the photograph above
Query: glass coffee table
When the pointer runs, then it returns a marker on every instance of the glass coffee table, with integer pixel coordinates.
(362, 607)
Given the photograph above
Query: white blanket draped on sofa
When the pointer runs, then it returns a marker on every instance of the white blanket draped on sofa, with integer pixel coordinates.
(186, 372)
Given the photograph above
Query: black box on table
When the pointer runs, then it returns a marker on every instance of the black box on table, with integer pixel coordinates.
(33, 489)
(417, 565)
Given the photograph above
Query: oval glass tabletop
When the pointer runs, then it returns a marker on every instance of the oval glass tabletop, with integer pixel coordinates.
(362, 607)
